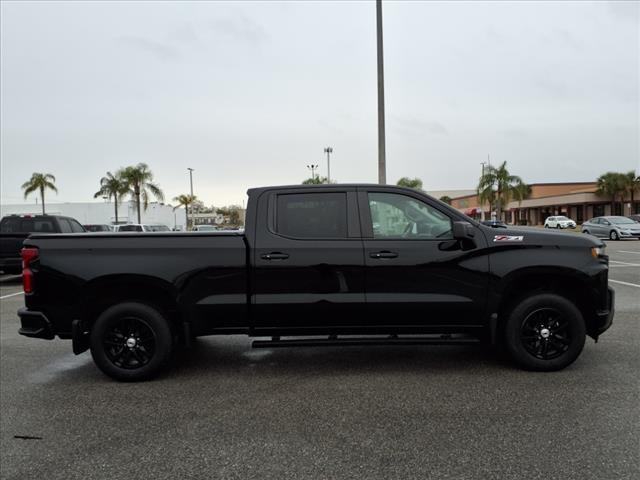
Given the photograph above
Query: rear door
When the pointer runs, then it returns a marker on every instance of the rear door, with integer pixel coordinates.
(417, 276)
(308, 273)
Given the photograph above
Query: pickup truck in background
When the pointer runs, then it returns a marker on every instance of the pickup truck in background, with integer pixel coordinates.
(15, 228)
(320, 265)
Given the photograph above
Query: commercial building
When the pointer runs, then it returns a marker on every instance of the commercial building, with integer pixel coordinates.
(104, 213)
(577, 200)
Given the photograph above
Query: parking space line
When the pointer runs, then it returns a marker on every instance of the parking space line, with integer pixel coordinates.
(627, 251)
(627, 264)
(11, 295)
(625, 283)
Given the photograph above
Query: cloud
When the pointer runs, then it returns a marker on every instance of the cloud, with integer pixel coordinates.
(240, 27)
(413, 125)
(514, 133)
(159, 50)
(625, 10)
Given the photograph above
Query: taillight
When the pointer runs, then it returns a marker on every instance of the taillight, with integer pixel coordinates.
(28, 255)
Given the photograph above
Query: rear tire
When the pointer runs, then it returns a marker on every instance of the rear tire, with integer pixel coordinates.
(614, 235)
(545, 332)
(585, 231)
(131, 342)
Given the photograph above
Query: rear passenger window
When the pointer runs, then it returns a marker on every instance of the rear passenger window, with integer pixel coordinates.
(64, 225)
(10, 225)
(43, 226)
(75, 226)
(312, 215)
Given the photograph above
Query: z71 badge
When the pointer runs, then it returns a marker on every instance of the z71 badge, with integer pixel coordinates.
(508, 238)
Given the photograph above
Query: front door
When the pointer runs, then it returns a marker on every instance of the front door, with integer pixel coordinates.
(417, 275)
(308, 262)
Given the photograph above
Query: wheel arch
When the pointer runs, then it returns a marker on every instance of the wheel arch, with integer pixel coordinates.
(104, 292)
(565, 282)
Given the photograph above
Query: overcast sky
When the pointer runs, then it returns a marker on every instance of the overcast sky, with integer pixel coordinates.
(248, 94)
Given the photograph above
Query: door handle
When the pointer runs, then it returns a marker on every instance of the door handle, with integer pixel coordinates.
(383, 254)
(274, 256)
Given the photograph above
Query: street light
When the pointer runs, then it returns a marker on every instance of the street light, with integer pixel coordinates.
(328, 151)
(191, 184)
(313, 171)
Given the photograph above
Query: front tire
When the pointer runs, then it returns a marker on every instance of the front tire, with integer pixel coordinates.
(545, 332)
(131, 342)
(614, 235)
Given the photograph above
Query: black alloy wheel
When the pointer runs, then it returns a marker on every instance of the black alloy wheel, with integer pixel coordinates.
(131, 341)
(545, 333)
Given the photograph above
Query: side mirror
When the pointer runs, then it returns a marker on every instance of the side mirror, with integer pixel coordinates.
(463, 231)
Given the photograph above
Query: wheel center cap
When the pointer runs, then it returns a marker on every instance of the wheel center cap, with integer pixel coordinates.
(131, 342)
(544, 333)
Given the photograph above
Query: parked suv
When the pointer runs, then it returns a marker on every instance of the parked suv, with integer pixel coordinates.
(614, 228)
(559, 222)
(15, 228)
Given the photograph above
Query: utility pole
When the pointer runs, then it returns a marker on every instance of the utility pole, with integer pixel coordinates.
(328, 151)
(191, 184)
(313, 171)
(382, 163)
(483, 164)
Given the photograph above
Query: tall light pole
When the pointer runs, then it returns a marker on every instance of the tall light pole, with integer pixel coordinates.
(328, 151)
(191, 184)
(313, 171)
(382, 163)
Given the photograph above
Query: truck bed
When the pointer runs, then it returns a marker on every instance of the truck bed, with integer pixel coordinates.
(82, 271)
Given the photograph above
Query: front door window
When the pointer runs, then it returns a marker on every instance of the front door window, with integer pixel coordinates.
(396, 216)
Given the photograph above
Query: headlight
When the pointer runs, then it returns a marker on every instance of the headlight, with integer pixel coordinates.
(597, 251)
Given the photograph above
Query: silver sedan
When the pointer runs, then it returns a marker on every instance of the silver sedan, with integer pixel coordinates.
(613, 228)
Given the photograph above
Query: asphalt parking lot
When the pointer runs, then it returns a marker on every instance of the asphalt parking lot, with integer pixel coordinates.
(227, 411)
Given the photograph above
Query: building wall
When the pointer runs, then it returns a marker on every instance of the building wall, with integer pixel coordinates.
(103, 212)
(550, 189)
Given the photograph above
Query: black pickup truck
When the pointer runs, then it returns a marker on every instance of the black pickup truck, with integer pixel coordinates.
(15, 228)
(320, 265)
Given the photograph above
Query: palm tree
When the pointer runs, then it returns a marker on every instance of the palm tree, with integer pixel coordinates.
(40, 182)
(185, 201)
(611, 184)
(139, 181)
(315, 180)
(631, 184)
(410, 183)
(112, 186)
(498, 184)
(486, 194)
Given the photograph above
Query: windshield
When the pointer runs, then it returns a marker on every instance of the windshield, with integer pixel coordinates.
(562, 218)
(621, 220)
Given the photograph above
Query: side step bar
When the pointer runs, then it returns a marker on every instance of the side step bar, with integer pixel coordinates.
(334, 341)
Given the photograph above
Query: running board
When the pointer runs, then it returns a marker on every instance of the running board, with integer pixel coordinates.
(334, 341)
